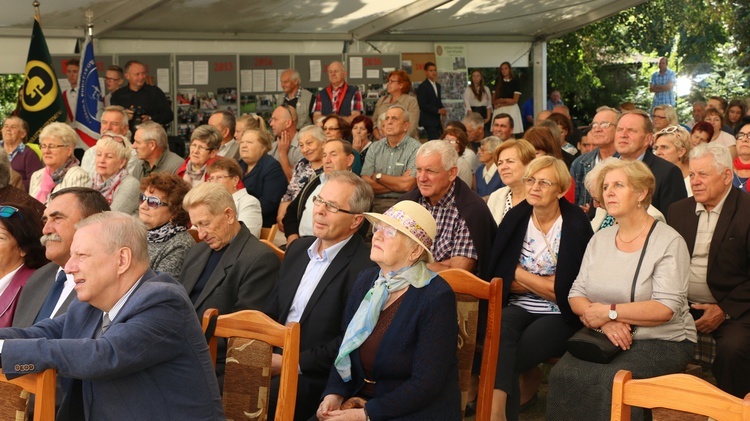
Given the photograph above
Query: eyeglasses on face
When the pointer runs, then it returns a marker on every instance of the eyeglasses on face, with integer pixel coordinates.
(153, 202)
(330, 207)
(199, 147)
(50, 146)
(216, 178)
(601, 125)
(331, 129)
(387, 230)
(743, 136)
(544, 184)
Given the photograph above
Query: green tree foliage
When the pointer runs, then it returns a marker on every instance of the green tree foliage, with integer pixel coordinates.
(610, 61)
(9, 86)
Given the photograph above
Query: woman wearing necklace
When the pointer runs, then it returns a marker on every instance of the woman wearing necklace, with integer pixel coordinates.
(632, 286)
(742, 162)
(511, 157)
(537, 252)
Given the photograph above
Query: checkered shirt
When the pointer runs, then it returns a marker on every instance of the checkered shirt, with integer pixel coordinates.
(665, 97)
(453, 237)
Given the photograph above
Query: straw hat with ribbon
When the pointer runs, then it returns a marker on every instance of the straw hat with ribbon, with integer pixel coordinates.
(411, 219)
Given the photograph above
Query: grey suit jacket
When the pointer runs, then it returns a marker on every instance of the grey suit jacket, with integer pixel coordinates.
(242, 280)
(35, 292)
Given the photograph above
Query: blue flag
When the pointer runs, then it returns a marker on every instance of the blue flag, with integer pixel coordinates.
(87, 123)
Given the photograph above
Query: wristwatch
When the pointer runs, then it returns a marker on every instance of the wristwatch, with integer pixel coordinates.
(613, 312)
(378, 176)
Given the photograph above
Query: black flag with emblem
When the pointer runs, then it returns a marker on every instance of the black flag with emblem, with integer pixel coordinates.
(40, 98)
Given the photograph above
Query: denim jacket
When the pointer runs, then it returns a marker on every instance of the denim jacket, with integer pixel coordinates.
(580, 167)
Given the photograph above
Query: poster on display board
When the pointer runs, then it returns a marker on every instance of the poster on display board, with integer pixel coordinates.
(451, 65)
(205, 84)
(260, 81)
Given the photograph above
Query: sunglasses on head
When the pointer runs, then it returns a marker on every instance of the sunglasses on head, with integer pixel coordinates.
(153, 202)
(8, 211)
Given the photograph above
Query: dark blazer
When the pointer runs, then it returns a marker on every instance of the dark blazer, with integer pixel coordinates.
(429, 103)
(242, 280)
(415, 367)
(575, 236)
(267, 183)
(728, 275)
(670, 184)
(151, 364)
(321, 332)
(35, 292)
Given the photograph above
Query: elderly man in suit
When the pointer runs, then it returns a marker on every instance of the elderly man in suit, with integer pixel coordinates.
(49, 291)
(315, 279)
(431, 107)
(716, 229)
(230, 269)
(129, 347)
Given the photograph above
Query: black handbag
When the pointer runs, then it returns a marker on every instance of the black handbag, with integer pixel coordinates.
(592, 344)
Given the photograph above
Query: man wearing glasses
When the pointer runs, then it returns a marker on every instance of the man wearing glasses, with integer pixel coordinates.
(602, 137)
(113, 80)
(314, 281)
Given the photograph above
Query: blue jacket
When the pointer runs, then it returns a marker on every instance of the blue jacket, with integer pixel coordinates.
(267, 183)
(415, 367)
(151, 364)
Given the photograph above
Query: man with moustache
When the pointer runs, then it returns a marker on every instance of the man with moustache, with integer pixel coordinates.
(49, 291)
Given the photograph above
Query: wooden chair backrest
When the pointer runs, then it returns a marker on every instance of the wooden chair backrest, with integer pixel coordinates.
(42, 385)
(279, 252)
(268, 233)
(245, 329)
(681, 392)
(466, 284)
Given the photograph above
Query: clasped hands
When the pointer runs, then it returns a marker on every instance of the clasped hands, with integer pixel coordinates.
(330, 409)
(596, 316)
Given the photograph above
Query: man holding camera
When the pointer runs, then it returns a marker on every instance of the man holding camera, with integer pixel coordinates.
(142, 102)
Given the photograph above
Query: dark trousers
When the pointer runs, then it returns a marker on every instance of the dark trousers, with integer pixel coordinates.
(732, 364)
(433, 132)
(526, 341)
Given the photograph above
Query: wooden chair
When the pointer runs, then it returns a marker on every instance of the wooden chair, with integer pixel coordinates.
(194, 234)
(268, 233)
(681, 392)
(469, 290)
(15, 392)
(279, 252)
(251, 338)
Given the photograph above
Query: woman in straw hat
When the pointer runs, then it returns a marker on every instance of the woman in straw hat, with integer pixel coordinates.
(397, 359)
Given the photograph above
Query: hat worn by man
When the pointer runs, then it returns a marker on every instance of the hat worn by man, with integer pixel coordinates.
(412, 220)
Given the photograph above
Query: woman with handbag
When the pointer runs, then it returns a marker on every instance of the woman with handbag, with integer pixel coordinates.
(537, 252)
(632, 288)
(397, 359)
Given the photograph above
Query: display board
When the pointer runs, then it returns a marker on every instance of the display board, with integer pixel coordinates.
(413, 64)
(205, 83)
(260, 80)
(366, 69)
(313, 69)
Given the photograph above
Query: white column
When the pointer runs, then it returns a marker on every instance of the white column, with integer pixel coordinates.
(539, 49)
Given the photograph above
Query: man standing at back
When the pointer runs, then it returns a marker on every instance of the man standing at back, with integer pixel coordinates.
(70, 96)
(295, 96)
(142, 102)
(314, 282)
(431, 108)
(49, 291)
(113, 80)
(338, 98)
(662, 85)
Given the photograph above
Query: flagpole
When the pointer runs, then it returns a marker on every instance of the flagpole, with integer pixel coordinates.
(90, 23)
(37, 16)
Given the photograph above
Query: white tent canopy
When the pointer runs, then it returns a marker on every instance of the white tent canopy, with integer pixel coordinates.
(492, 30)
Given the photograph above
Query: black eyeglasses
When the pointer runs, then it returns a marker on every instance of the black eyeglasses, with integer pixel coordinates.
(330, 207)
(153, 202)
(8, 211)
